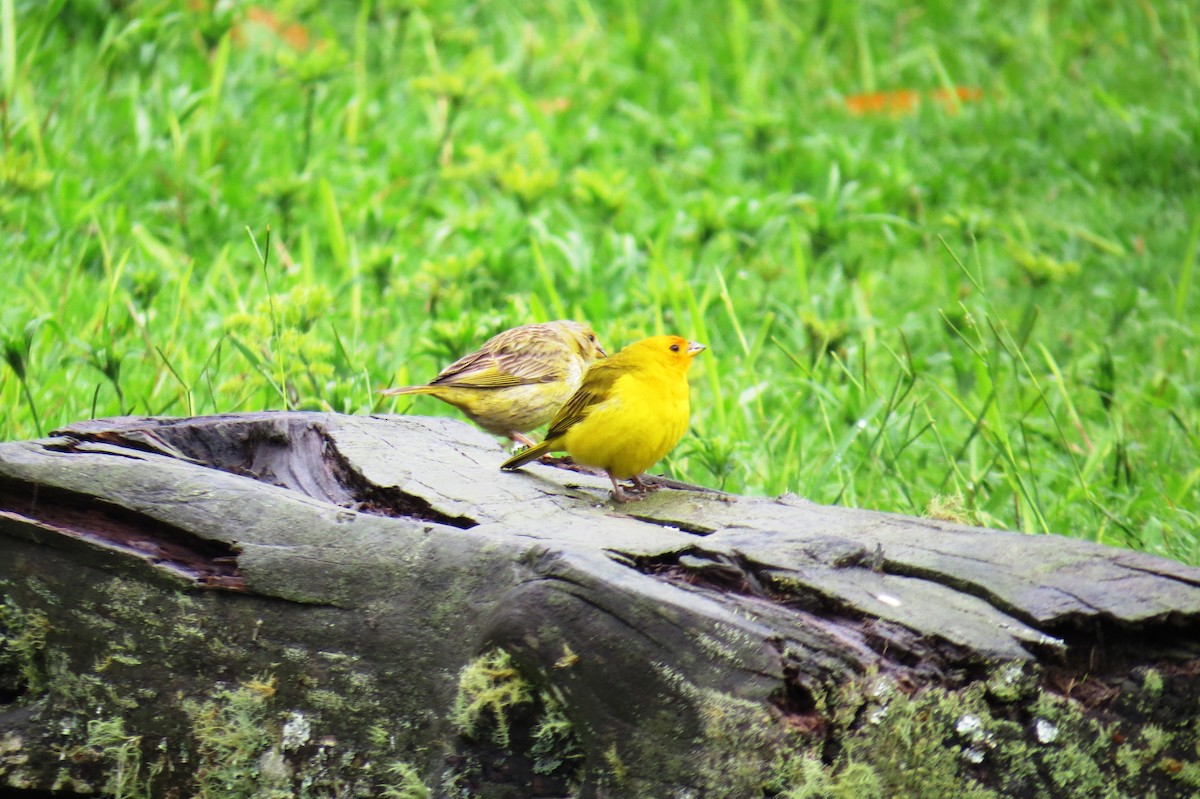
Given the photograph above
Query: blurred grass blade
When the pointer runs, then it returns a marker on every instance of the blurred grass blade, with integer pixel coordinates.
(8, 49)
(261, 367)
(549, 288)
(1187, 269)
(334, 228)
(187, 391)
(219, 65)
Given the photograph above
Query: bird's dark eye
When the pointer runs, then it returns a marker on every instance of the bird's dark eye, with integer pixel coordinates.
(674, 348)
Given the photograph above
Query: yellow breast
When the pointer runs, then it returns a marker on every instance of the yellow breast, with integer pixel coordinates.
(641, 421)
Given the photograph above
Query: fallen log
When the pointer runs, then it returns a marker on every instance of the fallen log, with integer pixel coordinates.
(302, 604)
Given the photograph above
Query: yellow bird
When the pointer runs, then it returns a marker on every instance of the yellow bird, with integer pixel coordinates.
(519, 379)
(631, 410)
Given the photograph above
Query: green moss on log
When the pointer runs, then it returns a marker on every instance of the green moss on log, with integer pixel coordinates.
(971, 743)
(522, 730)
(22, 641)
(235, 736)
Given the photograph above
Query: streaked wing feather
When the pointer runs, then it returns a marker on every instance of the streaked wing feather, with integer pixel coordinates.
(543, 363)
(483, 377)
(597, 387)
(507, 361)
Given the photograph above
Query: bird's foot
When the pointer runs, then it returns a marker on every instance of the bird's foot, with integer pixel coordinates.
(637, 491)
(643, 488)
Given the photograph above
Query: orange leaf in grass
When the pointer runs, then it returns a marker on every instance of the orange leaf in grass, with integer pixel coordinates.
(951, 100)
(894, 102)
(292, 34)
(906, 101)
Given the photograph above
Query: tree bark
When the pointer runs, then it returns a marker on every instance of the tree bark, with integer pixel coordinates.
(301, 604)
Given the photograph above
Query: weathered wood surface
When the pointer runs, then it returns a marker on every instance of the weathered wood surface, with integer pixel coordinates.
(356, 565)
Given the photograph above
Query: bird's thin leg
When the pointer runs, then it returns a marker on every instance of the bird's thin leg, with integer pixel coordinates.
(521, 438)
(617, 493)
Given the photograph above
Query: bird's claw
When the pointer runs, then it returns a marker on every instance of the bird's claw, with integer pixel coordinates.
(639, 489)
(643, 488)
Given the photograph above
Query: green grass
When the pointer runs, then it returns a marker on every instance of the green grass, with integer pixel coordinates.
(989, 308)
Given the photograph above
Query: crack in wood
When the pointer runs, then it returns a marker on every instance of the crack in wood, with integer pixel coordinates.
(288, 451)
(898, 568)
(1084, 654)
(1121, 644)
(374, 499)
(209, 563)
(692, 528)
(892, 646)
(1086, 672)
(1160, 573)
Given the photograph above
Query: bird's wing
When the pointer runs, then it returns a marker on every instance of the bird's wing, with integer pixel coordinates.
(596, 388)
(507, 363)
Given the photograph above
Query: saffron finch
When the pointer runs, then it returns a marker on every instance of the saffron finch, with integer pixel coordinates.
(630, 411)
(519, 379)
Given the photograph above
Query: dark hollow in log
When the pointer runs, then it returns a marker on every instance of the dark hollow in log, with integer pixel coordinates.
(300, 604)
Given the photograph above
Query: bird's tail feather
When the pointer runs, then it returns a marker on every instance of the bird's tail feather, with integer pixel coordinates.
(391, 392)
(522, 458)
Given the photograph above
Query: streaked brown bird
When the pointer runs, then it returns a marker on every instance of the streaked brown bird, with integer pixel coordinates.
(519, 379)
